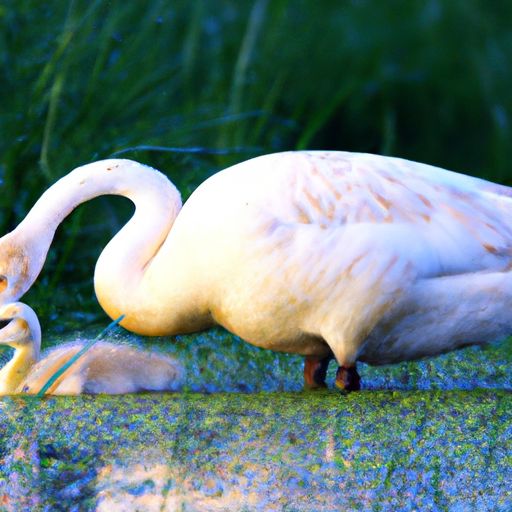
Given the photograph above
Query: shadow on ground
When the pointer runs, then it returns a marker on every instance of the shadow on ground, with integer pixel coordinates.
(242, 436)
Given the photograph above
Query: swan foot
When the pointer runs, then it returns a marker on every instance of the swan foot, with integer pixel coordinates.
(347, 379)
(315, 371)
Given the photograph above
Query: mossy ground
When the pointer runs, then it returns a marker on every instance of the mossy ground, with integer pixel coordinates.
(420, 436)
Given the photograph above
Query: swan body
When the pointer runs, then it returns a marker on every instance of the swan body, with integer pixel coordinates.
(104, 368)
(356, 256)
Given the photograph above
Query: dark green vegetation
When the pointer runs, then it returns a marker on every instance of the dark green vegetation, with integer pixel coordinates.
(191, 87)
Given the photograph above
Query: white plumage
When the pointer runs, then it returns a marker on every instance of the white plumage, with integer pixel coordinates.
(361, 256)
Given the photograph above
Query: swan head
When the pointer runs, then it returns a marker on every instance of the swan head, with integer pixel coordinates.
(20, 264)
(19, 326)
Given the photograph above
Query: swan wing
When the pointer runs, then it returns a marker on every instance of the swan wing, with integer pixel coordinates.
(446, 222)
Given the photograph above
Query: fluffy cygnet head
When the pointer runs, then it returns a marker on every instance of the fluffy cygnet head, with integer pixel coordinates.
(19, 326)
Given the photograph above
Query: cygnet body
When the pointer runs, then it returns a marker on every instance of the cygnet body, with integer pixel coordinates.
(105, 368)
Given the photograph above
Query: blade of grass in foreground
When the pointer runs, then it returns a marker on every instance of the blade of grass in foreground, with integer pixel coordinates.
(73, 360)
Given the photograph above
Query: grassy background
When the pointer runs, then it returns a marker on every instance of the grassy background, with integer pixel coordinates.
(191, 87)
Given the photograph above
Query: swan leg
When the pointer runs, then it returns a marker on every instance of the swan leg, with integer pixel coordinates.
(315, 371)
(347, 378)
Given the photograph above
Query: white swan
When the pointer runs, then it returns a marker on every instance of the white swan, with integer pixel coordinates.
(104, 368)
(356, 256)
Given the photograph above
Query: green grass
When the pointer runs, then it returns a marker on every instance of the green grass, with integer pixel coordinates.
(225, 81)
(286, 451)
(420, 436)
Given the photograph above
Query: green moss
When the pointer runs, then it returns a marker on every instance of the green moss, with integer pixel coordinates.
(317, 450)
(430, 447)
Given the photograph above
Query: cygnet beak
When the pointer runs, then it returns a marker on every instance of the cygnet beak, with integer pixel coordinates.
(13, 332)
(3, 323)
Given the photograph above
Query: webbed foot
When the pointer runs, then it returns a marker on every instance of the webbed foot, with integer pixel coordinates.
(347, 379)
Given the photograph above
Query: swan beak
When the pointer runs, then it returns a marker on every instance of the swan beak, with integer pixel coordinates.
(347, 379)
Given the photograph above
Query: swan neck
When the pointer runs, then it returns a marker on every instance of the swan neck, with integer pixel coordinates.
(157, 203)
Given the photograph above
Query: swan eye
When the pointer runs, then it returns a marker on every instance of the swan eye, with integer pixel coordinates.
(3, 283)
(4, 323)
(25, 389)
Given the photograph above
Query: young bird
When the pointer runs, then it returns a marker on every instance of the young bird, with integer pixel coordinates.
(104, 368)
